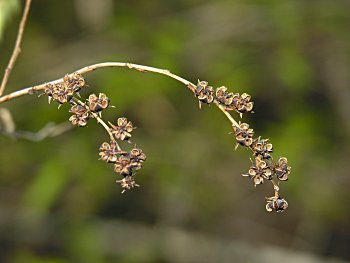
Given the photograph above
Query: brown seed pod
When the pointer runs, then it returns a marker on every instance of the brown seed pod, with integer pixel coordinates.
(137, 158)
(122, 131)
(109, 152)
(97, 104)
(123, 165)
(277, 204)
(49, 90)
(223, 97)
(282, 170)
(241, 103)
(262, 147)
(74, 81)
(259, 171)
(244, 135)
(62, 93)
(127, 183)
(80, 115)
(204, 93)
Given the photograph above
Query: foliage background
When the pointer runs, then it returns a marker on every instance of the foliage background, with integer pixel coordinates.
(59, 204)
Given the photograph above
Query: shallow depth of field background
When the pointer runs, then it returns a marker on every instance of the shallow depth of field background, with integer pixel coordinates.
(59, 204)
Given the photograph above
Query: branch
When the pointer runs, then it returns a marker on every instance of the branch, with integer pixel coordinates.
(48, 131)
(257, 171)
(17, 48)
(140, 68)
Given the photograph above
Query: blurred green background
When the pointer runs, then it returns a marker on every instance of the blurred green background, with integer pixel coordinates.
(59, 204)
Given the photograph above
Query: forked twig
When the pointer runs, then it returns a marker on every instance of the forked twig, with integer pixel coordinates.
(17, 48)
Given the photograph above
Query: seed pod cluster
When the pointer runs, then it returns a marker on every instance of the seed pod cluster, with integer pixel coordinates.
(263, 166)
(125, 163)
(229, 100)
(63, 92)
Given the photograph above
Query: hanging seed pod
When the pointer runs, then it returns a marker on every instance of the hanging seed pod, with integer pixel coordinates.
(97, 104)
(80, 115)
(122, 131)
(282, 170)
(259, 171)
(244, 135)
(277, 204)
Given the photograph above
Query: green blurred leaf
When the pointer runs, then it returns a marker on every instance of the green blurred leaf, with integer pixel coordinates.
(45, 188)
(7, 9)
(293, 69)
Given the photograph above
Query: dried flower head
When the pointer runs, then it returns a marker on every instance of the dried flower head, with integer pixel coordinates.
(204, 92)
(223, 97)
(137, 158)
(262, 147)
(49, 90)
(123, 165)
(97, 104)
(282, 170)
(277, 204)
(127, 183)
(59, 92)
(62, 93)
(244, 135)
(122, 131)
(259, 171)
(242, 103)
(109, 152)
(74, 81)
(127, 163)
(80, 115)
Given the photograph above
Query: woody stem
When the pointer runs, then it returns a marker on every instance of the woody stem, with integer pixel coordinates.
(139, 68)
(99, 120)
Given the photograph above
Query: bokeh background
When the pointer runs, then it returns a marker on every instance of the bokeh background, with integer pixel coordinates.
(59, 204)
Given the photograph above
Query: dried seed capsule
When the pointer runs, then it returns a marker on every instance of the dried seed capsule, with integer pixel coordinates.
(59, 92)
(137, 158)
(97, 104)
(244, 135)
(49, 90)
(122, 131)
(80, 115)
(127, 183)
(262, 147)
(123, 165)
(241, 103)
(62, 94)
(204, 92)
(74, 81)
(223, 97)
(109, 152)
(282, 170)
(259, 171)
(277, 204)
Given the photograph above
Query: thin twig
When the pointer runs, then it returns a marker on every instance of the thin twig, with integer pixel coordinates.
(99, 120)
(17, 48)
(7, 124)
(140, 68)
(48, 131)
